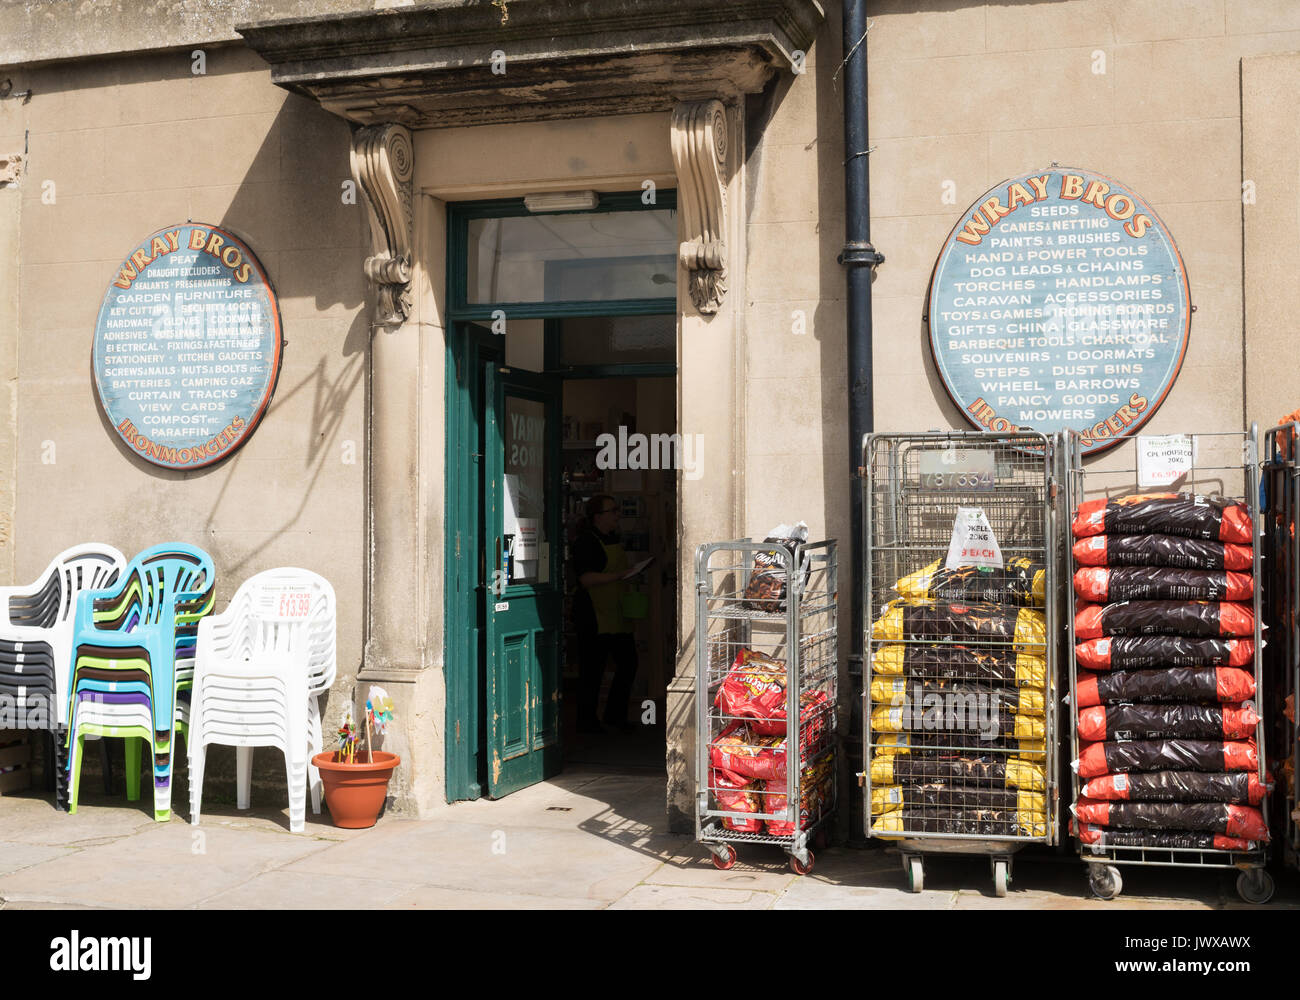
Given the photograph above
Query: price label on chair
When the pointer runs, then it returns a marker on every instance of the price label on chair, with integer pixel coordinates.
(292, 602)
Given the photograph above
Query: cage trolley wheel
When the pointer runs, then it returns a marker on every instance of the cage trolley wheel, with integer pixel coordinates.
(799, 867)
(1001, 875)
(723, 857)
(1255, 886)
(914, 866)
(1105, 881)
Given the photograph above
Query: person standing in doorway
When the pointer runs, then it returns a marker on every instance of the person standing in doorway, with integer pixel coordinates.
(600, 565)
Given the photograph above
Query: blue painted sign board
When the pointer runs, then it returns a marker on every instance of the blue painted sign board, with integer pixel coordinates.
(187, 346)
(1059, 302)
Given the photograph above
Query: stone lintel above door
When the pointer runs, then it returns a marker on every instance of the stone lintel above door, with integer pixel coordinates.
(443, 65)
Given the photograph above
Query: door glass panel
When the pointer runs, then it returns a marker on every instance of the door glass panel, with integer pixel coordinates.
(586, 256)
(524, 491)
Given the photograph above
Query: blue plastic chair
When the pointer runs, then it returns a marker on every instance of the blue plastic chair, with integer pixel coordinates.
(142, 627)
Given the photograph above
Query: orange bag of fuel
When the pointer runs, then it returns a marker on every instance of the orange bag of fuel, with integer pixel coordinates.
(1096, 759)
(1181, 514)
(1222, 684)
(1150, 721)
(1162, 550)
(1203, 619)
(1182, 840)
(1142, 652)
(1241, 787)
(1245, 822)
(1160, 583)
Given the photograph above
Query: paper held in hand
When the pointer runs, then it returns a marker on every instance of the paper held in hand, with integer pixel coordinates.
(973, 542)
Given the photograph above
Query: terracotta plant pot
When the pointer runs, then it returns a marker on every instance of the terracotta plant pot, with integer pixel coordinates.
(355, 792)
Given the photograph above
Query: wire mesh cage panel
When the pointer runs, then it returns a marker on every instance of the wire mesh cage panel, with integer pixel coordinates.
(958, 693)
(1163, 615)
(1281, 600)
(766, 640)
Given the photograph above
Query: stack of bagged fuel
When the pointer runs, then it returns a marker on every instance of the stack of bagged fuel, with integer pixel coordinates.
(958, 695)
(1164, 632)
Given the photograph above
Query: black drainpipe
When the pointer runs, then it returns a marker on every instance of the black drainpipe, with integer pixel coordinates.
(859, 258)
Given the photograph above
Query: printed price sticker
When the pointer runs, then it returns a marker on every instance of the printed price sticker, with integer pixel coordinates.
(973, 542)
(293, 603)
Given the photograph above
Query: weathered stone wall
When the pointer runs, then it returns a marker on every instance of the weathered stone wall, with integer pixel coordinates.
(119, 148)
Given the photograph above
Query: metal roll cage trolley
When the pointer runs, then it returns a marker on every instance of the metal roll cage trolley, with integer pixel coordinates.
(801, 629)
(1229, 455)
(964, 793)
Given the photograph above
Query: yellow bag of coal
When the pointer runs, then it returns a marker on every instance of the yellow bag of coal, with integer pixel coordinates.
(1014, 772)
(964, 663)
(1021, 582)
(1024, 629)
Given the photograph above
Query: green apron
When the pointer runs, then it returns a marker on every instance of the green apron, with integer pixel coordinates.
(607, 598)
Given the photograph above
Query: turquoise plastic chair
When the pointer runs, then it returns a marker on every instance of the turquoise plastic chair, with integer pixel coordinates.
(143, 626)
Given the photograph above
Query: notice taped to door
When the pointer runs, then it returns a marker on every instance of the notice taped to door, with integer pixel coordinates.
(973, 542)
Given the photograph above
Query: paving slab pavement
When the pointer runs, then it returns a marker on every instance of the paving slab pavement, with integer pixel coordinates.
(587, 840)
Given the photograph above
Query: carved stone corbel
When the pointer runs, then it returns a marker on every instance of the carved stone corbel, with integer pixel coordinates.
(383, 165)
(699, 141)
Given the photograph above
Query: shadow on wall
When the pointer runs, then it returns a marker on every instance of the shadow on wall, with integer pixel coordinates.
(290, 208)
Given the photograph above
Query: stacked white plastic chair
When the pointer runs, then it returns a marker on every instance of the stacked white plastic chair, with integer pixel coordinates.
(36, 626)
(260, 669)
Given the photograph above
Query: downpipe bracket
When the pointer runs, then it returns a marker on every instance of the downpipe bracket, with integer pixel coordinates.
(860, 255)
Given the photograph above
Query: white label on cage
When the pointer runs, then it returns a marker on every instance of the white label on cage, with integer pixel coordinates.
(894, 795)
(958, 470)
(1121, 782)
(973, 542)
(1163, 459)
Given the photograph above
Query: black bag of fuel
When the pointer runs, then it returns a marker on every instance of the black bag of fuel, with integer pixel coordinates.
(951, 661)
(1245, 822)
(901, 620)
(1163, 550)
(1143, 652)
(1222, 684)
(971, 822)
(1241, 787)
(894, 691)
(1158, 720)
(1166, 755)
(1159, 583)
(1201, 619)
(1020, 582)
(1180, 840)
(1214, 518)
(939, 795)
(917, 768)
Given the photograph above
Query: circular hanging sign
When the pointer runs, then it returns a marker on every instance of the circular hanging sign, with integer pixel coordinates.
(1059, 302)
(187, 346)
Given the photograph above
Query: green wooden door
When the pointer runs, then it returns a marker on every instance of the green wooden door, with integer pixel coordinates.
(523, 599)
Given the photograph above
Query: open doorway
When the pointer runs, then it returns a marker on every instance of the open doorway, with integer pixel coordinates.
(561, 401)
(614, 460)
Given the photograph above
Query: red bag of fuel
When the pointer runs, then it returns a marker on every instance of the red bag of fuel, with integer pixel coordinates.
(1223, 684)
(1142, 652)
(739, 751)
(733, 794)
(754, 687)
(1184, 840)
(1181, 514)
(1202, 619)
(1241, 787)
(1162, 550)
(1149, 721)
(1244, 822)
(1159, 583)
(1096, 759)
